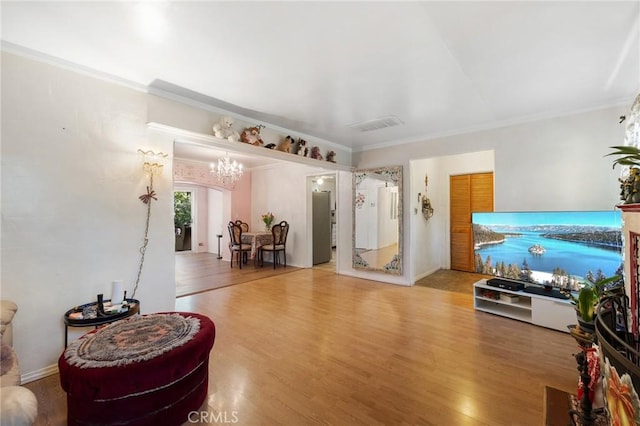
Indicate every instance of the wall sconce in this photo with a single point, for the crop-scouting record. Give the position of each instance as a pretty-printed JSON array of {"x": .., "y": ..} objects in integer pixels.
[
  {"x": 427, "y": 209},
  {"x": 152, "y": 162},
  {"x": 152, "y": 165}
]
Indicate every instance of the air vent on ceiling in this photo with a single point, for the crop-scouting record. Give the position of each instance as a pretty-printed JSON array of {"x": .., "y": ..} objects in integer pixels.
[{"x": 376, "y": 124}]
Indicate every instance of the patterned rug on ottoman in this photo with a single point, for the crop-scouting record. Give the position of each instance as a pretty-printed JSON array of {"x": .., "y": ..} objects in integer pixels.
[
  {"x": 143, "y": 370},
  {"x": 138, "y": 339}
]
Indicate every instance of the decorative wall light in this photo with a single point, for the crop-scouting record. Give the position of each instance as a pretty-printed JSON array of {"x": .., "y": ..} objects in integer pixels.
[
  {"x": 152, "y": 162},
  {"x": 152, "y": 165},
  {"x": 427, "y": 209},
  {"x": 228, "y": 172}
]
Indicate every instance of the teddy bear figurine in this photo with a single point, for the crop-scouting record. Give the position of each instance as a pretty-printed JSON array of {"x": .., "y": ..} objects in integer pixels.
[
  {"x": 331, "y": 156},
  {"x": 223, "y": 130},
  {"x": 302, "y": 150},
  {"x": 315, "y": 153},
  {"x": 286, "y": 145},
  {"x": 251, "y": 135}
]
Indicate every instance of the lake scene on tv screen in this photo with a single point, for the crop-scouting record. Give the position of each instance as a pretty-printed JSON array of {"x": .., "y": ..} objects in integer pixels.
[{"x": 548, "y": 248}]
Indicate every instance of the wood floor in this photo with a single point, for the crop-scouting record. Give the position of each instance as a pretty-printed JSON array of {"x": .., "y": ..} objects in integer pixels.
[
  {"x": 314, "y": 347},
  {"x": 198, "y": 272}
]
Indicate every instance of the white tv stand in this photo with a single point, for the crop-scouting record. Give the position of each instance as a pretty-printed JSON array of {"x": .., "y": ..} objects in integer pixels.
[{"x": 535, "y": 309}]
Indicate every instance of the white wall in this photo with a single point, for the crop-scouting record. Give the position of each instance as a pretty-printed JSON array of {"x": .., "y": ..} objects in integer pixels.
[
  {"x": 71, "y": 218},
  {"x": 555, "y": 164},
  {"x": 282, "y": 190},
  {"x": 425, "y": 238},
  {"x": 197, "y": 117},
  {"x": 214, "y": 220}
]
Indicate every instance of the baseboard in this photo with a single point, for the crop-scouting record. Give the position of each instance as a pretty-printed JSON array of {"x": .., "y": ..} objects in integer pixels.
[
  {"x": 424, "y": 274},
  {"x": 39, "y": 374}
]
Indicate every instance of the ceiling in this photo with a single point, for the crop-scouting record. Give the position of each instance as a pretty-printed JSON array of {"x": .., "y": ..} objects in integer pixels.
[{"x": 316, "y": 68}]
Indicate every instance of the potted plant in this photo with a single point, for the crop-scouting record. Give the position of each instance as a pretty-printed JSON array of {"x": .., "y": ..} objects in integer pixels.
[
  {"x": 628, "y": 156},
  {"x": 588, "y": 298}
]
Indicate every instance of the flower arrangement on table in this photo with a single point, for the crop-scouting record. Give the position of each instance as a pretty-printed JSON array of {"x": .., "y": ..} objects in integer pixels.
[{"x": 267, "y": 218}]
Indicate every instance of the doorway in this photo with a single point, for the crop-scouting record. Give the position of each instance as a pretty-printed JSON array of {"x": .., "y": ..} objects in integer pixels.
[
  {"x": 323, "y": 222},
  {"x": 182, "y": 219}
]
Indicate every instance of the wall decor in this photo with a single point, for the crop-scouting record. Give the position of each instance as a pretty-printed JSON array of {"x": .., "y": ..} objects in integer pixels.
[{"x": 427, "y": 209}]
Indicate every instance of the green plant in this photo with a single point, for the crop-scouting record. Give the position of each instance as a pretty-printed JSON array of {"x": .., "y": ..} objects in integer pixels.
[
  {"x": 267, "y": 218},
  {"x": 182, "y": 209},
  {"x": 590, "y": 294},
  {"x": 628, "y": 156}
]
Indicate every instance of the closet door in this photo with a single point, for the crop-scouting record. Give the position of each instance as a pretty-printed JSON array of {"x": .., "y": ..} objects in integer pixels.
[{"x": 468, "y": 193}]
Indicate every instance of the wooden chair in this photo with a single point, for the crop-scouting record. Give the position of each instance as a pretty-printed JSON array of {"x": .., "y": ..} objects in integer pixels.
[
  {"x": 243, "y": 225},
  {"x": 235, "y": 245},
  {"x": 245, "y": 228},
  {"x": 279, "y": 232}
]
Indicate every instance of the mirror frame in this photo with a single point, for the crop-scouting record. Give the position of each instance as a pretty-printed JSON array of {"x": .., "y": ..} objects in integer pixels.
[{"x": 394, "y": 174}]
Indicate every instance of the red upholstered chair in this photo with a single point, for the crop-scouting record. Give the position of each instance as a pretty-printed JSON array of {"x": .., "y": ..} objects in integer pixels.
[
  {"x": 279, "y": 232},
  {"x": 240, "y": 250}
]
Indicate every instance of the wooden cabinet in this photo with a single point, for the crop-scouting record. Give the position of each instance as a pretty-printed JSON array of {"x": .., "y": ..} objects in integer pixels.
[{"x": 468, "y": 193}]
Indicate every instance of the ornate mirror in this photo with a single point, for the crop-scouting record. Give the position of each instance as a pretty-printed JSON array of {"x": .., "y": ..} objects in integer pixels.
[{"x": 377, "y": 219}]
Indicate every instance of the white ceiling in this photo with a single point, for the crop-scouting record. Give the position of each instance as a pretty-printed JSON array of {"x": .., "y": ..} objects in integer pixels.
[{"x": 316, "y": 67}]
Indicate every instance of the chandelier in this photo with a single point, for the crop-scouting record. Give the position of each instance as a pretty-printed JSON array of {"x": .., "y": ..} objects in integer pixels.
[{"x": 228, "y": 172}]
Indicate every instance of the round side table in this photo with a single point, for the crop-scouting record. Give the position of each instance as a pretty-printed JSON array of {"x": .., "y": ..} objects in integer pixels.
[{"x": 99, "y": 319}]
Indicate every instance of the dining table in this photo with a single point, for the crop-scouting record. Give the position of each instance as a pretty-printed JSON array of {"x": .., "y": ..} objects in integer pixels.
[{"x": 256, "y": 239}]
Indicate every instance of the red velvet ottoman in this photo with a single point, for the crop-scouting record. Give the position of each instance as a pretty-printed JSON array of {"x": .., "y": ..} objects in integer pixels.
[{"x": 144, "y": 370}]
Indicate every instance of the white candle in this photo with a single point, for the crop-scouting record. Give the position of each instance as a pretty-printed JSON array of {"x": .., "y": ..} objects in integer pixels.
[{"x": 117, "y": 293}]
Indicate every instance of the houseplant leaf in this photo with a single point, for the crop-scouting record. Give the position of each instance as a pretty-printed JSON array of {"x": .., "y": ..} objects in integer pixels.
[{"x": 586, "y": 303}]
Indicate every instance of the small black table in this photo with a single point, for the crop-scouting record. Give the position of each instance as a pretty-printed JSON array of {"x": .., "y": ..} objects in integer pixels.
[{"x": 134, "y": 308}]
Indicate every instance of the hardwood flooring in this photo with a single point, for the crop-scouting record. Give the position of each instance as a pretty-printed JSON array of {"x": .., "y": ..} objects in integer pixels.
[
  {"x": 314, "y": 347},
  {"x": 449, "y": 280},
  {"x": 198, "y": 272},
  {"x": 329, "y": 266}
]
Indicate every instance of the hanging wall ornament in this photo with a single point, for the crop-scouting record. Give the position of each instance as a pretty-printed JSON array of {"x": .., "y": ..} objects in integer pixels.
[{"x": 427, "y": 209}]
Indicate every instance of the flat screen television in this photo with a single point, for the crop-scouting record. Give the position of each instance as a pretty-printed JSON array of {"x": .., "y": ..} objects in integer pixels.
[{"x": 552, "y": 249}]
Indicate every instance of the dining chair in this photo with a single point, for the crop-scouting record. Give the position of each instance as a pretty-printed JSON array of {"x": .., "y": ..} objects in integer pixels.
[
  {"x": 245, "y": 228},
  {"x": 279, "y": 233},
  {"x": 243, "y": 225},
  {"x": 236, "y": 246}
]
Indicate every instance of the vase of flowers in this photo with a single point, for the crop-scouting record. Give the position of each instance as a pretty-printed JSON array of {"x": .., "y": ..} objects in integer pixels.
[{"x": 267, "y": 218}]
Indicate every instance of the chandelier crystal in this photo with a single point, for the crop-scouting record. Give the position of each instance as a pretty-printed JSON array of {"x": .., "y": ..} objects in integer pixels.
[{"x": 228, "y": 172}]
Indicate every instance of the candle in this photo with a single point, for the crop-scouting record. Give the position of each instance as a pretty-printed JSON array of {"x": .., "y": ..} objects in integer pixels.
[{"x": 116, "y": 292}]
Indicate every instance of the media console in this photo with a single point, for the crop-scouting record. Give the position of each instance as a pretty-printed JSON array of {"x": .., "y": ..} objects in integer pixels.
[{"x": 545, "y": 311}]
